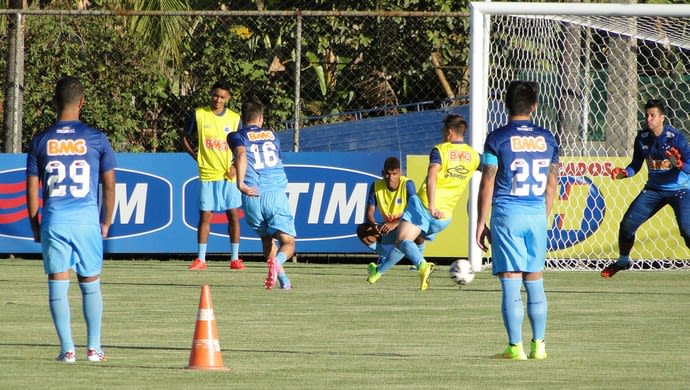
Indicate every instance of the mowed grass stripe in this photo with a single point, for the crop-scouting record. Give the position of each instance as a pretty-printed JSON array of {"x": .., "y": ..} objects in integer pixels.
[{"x": 334, "y": 330}]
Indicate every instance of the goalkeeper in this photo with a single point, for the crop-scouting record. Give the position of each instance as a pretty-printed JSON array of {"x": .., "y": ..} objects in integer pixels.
[{"x": 666, "y": 153}]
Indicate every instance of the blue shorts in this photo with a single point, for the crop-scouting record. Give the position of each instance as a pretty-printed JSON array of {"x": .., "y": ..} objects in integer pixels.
[
  {"x": 518, "y": 242},
  {"x": 269, "y": 213},
  {"x": 69, "y": 246},
  {"x": 219, "y": 195},
  {"x": 389, "y": 238},
  {"x": 418, "y": 215},
  {"x": 647, "y": 203}
]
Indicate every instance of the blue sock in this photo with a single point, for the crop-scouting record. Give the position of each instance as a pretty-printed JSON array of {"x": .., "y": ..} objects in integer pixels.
[
  {"x": 281, "y": 258},
  {"x": 235, "y": 248},
  {"x": 622, "y": 261},
  {"x": 378, "y": 248},
  {"x": 421, "y": 248},
  {"x": 93, "y": 312},
  {"x": 412, "y": 252},
  {"x": 392, "y": 258},
  {"x": 59, "y": 310},
  {"x": 512, "y": 309},
  {"x": 202, "y": 252},
  {"x": 536, "y": 307},
  {"x": 283, "y": 279}
]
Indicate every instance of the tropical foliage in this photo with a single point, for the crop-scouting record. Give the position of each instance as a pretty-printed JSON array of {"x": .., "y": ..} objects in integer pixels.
[{"x": 144, "y": 73}]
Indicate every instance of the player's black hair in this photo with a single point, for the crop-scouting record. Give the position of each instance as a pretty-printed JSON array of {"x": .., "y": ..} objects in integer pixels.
[
  {"x": 455, "y": 123},
  {"x": 521, "y": 96},
  {"x": 656, "y": 103},
  {"x": 251, "y": 111},
  {"x": 68, "y": 91},
  {"x": 221, "y": 84},
  {"x": 392, "y": 163}
]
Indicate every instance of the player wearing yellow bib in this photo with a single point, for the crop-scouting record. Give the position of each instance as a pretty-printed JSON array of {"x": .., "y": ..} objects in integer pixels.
[
  {"x": 218, "y": 191},
  {"x": 389, "y": 195},
  {"x": 451, "y": 165}
]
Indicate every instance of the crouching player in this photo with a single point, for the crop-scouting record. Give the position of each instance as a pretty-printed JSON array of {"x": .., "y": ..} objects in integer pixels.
[
  {"x": 451, "y": 165},
  {"x": 390, "y": 195}
]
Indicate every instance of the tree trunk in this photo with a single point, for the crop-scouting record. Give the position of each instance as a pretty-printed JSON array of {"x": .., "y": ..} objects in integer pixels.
[{"x": 12, "y": 113}]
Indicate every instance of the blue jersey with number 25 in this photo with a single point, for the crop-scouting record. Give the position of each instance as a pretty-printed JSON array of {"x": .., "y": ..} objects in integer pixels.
[{"x": 523, "y": 152}]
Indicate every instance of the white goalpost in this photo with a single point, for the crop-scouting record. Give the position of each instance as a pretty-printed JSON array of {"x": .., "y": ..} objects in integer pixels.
[{"x": 596, "y": 65}]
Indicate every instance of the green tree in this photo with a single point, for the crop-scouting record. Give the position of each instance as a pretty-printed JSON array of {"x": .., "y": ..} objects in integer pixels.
[{"x": 123, "y": 88}]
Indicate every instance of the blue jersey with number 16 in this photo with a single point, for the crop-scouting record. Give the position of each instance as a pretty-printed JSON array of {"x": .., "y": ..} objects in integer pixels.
[
  {"x": 523, "y": 152},
  {"x": 264, "y": 165}
]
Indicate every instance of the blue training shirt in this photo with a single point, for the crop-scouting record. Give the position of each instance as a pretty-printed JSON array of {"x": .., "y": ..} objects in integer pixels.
[
  {"x": 68, "y": 158},
  {"x": 264, "y": 164},
  {"x": 523, "y": 152},
  {"x": 652, "y": 150}
]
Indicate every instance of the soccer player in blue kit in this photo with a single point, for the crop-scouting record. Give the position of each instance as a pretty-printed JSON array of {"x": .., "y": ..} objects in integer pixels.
[
  {"x": 261, "y": 179},
  {"x": 518, "y": 184},
  {"x": 666, "y": 153},
  {"x": 69, "y": 159}
]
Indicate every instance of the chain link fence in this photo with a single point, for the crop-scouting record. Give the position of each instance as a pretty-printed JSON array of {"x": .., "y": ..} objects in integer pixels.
[{"x": 144, "y": 72}]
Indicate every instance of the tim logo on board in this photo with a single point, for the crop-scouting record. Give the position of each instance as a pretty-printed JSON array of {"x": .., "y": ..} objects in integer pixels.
[
  {"x": 143, "y": 204},
  {"x": 326, "y": 201}
]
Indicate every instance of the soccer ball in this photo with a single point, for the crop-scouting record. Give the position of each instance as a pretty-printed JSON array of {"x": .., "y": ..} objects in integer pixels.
[{"x": 461, "y": 272}]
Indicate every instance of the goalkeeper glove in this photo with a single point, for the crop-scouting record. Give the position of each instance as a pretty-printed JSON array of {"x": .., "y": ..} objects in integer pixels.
[
  {"x": 618, "y": 173},
  {"x": 674, "y": 158}
]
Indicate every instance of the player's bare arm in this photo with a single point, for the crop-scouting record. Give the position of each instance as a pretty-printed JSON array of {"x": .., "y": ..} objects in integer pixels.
[
  {"x": 240, "y": 154},
  {"x": 32, "y": 206},
  {"x": 371, "y": 209},
  {"x": 187, "y": 146},
  {"x": 231, "y": 173},
  {"x": 432, "y": 172},
  {"x": 486, "y": 190},
  {"x": 108, "y": 188},
  {"x": 551, "y": 184},
  {"x": 388, "y": 226}
]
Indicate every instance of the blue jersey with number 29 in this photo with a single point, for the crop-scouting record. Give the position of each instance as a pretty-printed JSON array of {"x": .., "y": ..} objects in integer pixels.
[
  {"x": 68, "y": 158},
  {"x": 523, "y": 152}
]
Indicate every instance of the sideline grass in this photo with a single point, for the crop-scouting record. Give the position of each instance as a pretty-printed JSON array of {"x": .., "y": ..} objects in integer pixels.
[{"x": 334, "y": 331}]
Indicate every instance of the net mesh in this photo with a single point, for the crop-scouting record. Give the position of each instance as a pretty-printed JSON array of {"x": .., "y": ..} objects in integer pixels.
[{"x": 595, "y": 75}]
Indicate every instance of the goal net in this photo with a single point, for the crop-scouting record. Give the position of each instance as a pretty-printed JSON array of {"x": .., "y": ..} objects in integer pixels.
[{"x": 596, "y": 65}]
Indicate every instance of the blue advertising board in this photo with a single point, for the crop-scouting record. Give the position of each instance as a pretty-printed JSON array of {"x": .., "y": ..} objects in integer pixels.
[{"x": 156, "y": 205}]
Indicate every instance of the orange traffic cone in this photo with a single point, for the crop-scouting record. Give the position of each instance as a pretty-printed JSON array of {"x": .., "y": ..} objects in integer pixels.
[{"x": 205, "y": 354}]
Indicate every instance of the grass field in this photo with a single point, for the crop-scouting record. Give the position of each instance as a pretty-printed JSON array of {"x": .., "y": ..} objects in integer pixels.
[{"x": 334, "y": 331}]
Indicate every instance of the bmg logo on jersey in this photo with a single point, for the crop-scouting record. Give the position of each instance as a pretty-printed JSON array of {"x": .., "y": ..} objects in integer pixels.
[
  {"x": 66, "y": 147},
  {"x": 143, "y": 204},
  {"x": 261, "y": 135},
  {"x": 216, "y": 144},
  {"x": 527, "y": 144},
  {"x": 458, "y": 155}
]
